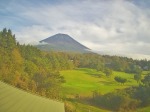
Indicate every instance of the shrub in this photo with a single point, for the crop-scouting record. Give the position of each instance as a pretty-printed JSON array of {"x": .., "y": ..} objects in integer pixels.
[{"x": 118, "y": 102}]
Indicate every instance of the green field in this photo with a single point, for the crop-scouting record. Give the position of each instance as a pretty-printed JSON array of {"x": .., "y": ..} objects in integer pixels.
[
  {"x": 80, "y": 107},
  {"x": 146, "y": 109},
  {"x": 83, "y": 81},
  {"x": 15, "y": 100}
]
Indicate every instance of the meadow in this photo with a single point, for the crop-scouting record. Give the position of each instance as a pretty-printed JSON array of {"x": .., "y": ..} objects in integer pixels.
[{"x": 84, "y": 81}]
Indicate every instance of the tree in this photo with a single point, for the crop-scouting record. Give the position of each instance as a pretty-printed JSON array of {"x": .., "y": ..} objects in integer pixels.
[
  {"x": 146, "y": 80},
  {"x": 108, "y": 72},
  {"x": 96, "y": 94},
  {"x": 120, "y": 79},
  {"x": 117, "y": 102},
  {"x": 137, "y": 77},
  {"x": 100, "y": 67},
  {"x": 26, "y": 67}
]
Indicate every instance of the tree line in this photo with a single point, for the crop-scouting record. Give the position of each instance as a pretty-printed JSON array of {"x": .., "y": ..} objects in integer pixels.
[{"x": 28, "y": 68}]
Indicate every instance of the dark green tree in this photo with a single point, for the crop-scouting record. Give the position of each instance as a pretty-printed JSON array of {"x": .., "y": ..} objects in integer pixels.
[
  {"x": 146, "y": 80},
  {"x": 120, "y": 79},
  {"x": 108, "y": 72},
  {"x": 137, "y": 77}
]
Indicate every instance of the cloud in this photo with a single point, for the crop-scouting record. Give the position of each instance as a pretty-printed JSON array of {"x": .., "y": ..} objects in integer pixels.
[
  {"x": 120, "y": 26},
  {"x": 32, "y": 34}
]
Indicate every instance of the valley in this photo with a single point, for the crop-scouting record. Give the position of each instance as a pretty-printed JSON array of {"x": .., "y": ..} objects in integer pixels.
[{"x": 82, "y": 81}]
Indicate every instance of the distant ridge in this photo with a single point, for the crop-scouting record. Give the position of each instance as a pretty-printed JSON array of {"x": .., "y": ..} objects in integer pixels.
[{"x": 62, "y": 42}]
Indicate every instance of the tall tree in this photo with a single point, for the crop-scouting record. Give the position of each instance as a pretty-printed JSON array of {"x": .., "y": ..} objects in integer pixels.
[
  {"x": 108, "y": 72},
  {"x": 146, "y": 80},
  {"x": 137, "y": 77}
]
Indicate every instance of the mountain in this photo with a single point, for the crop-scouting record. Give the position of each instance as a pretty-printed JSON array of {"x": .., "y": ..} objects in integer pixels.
[{"x": 62, "y": 42}]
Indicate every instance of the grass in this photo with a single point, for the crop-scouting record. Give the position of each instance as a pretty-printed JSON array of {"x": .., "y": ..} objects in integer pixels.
[
  {"x": 87, "y": 108},
  {"x": 83, "y": 81},
  {"x": 145, "y": 109},
  {"x": 129, "y": 77},
  {"x": 15, "y": 100}
]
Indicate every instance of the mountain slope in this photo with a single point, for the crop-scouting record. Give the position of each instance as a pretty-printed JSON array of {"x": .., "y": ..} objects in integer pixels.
[
  {"x": 15, "y": 100},
  {"x": 62, "y": 42}
]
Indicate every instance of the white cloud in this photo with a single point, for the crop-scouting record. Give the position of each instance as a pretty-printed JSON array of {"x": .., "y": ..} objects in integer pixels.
[
  {"x": 119, "y": 26},
  {"x": 32, "y": 34}
]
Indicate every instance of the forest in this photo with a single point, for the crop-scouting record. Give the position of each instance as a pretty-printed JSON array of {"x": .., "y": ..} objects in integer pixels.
[{"x": 28, "y": 68}]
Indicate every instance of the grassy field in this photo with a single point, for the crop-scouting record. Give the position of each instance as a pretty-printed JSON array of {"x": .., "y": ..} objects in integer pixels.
[
  {"x": 80, "y": 107},
  {"x": 15, "y": 100},
  {"x": 83, "y": 81},
  {"x": 146, "y": 109}
]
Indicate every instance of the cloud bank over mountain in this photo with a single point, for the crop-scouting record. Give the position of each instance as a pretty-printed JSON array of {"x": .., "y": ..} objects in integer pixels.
[{"x": 118, "y": 26}]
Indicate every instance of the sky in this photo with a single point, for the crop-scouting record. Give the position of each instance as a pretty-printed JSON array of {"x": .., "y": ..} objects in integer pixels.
[{"x": 115, "y": 27}]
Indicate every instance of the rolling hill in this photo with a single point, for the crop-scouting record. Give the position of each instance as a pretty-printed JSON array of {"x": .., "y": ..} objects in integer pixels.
[
  {"x": 62, "y": 42},
  {"x": 15, "y": 100}
]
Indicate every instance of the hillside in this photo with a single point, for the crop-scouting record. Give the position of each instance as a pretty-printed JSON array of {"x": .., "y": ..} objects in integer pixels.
[
  {"x": 62, "y": 42},
  {"x": 15, "y": 100}
]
